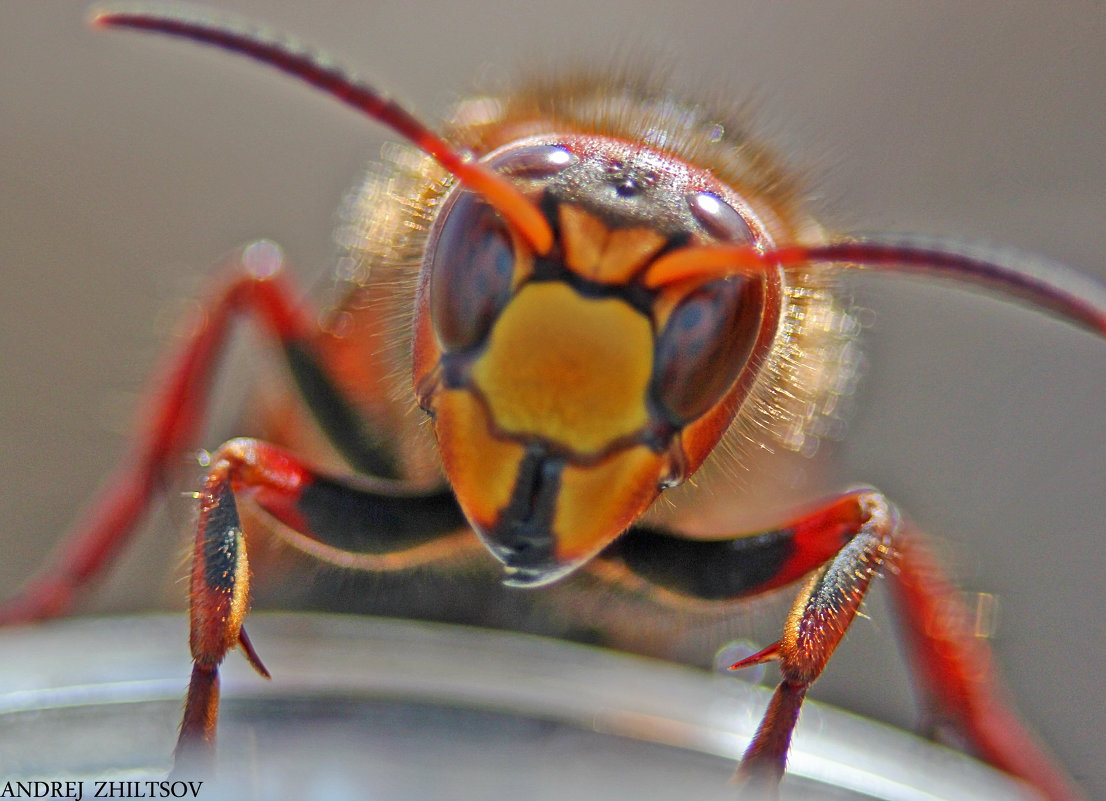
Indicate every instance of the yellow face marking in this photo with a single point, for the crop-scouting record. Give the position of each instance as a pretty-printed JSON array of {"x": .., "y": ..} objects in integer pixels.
[
  {"x": 583, "y": 238},
  {"x": 595, "y": 252},
  {"x": 569, "y": 369},
  {"x": 599, "y": 501},
  {"x": 482, "y": 467}
]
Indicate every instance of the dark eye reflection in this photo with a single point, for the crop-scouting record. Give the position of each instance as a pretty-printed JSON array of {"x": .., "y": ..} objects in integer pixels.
[
  {"x": 704, "y": 345},
  {"x": 471, "y": 271}
]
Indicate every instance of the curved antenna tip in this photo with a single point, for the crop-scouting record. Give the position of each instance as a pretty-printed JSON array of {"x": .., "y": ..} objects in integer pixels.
[
  {"x": 214, "y": 28},
  {"x": 107, "y": 15}
]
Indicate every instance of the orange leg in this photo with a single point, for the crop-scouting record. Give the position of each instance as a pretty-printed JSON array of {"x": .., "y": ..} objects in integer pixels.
[
  {"x": 846, "y": 543},
  {"x": 377, "y": 522},
  {"x": 818, "y": 620},
  {"x": 374, "y": 523},
  {"x": 956, "y": 674},
  {"x": 179, "y": 403}
]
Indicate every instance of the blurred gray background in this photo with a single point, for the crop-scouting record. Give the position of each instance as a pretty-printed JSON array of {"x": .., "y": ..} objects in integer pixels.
[{"x": 129, "y": 165}]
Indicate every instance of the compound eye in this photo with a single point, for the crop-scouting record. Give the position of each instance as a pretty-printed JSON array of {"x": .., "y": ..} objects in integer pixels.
[
  {"x": 705, "y": 344},
  {"x": 473, "y": 259},
  {"x": 470, "y": 272}
]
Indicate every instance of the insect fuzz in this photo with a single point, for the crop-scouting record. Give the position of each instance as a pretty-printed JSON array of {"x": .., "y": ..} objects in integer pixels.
[{"x": 568, "y": 388}]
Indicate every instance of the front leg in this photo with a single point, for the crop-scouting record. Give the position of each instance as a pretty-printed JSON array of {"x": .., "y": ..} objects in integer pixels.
[
  {"x": 370, "y": 523},
  {"x": 822, "y": 613},
  {"x": 842, "y": 545},
  {"x": 218, "y": 599},
  {"x": 845, "y": 542}
]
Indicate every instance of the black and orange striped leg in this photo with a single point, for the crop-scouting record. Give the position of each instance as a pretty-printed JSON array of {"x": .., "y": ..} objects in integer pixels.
[
  {"x": 179, "y": 404},
  {"x": 370, "y": 523},
  {"x": 219, "y": 595},
  {"x": 818, "y": 620},
  {"x": 845, "y": 542}
]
